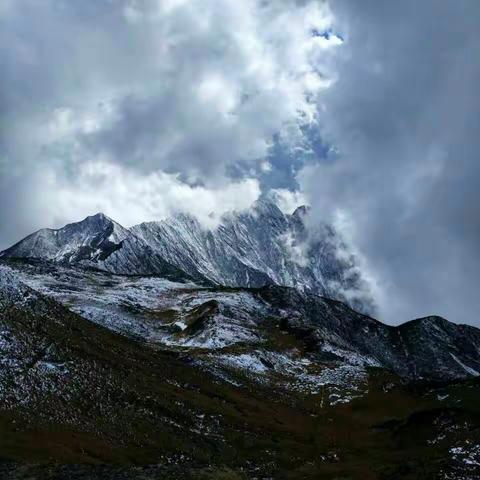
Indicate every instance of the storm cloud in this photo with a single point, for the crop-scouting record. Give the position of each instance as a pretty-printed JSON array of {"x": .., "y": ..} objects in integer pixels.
[{"x": 403, "y": 176}]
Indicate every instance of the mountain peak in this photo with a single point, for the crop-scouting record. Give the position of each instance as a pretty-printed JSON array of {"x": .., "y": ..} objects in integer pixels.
[
  {"x": 266, "y": 206},
  {"x": 98, "y": 218},
  {"x": 432, "y": 321},
  {"x": 301, "y": 211},
  {"x": 88, "y": 240}
]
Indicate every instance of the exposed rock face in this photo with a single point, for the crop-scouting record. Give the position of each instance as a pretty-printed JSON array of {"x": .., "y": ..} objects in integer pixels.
[
  {"x": 262, "y": 246},
  {"x": 251, "y": 249}
]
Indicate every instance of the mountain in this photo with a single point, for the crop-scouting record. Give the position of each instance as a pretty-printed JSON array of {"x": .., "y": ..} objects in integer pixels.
[
  {"x": 98, "y": 242},
  {"x": 94, "y": 238},
  {"x": 108, "y": 377},
  {"x": 258, "y": 247},
  {"x": 430, "y": 348},
  {"x": 286, "y": 326},
  {"x": 169, "y": 350}
]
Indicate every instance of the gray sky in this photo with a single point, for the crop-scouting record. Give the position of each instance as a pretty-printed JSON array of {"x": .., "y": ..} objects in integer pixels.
[
  {"x": 404, "y": 117},
  {"x": 367, "y": 110}
]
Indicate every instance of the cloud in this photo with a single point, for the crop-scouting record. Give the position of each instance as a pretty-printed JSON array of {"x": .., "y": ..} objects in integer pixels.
[
  {"x": 221, "y": 69},
  {"x": 196, "y": 90},
  {"x": 5, "y": 7},
  {"x": 131, "y": 197},
  {"x": 403, "y": 121},
  {"x": 287, "y": 200}
]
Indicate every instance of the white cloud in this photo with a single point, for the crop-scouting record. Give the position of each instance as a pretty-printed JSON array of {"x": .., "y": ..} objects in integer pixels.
[
  {"x": 346, "y": 249},
  {"x": 130, "y": 197},
  {"x": 288, "y": 200},
  {"x": 266, "y": 166},
  {"x": 298, "y": 252},
  {"x": 210, "y": 84}
]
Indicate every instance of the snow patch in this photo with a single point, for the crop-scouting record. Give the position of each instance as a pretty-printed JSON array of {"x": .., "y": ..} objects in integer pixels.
[{"x": 468, "y": 369}]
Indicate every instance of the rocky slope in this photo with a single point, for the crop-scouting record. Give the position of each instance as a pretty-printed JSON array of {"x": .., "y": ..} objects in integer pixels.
[
  {"x": 271, "y": 382},
  {"x": 258, "y": 247},
  {"x": 276, "y": 326}
]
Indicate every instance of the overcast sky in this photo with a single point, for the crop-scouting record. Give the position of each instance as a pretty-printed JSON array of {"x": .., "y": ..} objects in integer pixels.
[{"x": 367, "y": 110}]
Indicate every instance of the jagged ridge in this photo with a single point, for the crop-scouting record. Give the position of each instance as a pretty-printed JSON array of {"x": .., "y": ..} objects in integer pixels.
[{"x": 253, "y": 248}]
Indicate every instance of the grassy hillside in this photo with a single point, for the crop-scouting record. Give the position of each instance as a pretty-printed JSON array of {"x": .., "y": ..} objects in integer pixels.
[{"x": 85, "y": 395}]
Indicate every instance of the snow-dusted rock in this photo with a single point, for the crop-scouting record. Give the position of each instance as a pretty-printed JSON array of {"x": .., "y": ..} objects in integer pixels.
[
  {"x": 279, "y": 326},
  {"x": 258, "y": 247},
  {"x": 94, "y": 238}
]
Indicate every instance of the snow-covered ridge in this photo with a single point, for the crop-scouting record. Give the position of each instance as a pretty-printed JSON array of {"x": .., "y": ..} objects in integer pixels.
[
  {"x": 93, "y": 238},
  {"x": 253, "y": 248}
]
